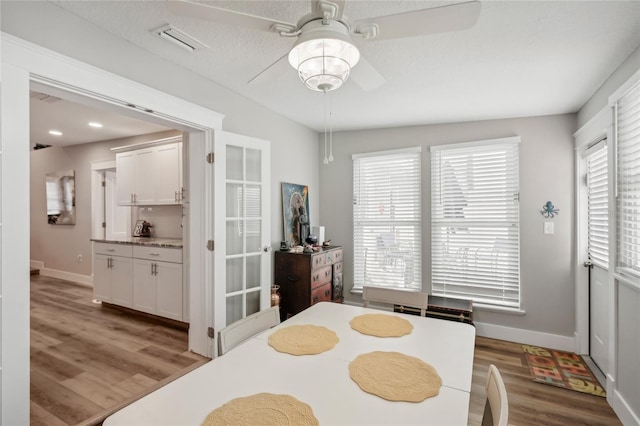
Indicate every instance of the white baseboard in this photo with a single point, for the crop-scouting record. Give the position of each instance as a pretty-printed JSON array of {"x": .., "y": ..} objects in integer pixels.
[
  {"x": 624, "y": 411},
  {"x": 528, "y": 337},
  {"x": 36, "y": 264},
  {"x": 85, "y": 280}
]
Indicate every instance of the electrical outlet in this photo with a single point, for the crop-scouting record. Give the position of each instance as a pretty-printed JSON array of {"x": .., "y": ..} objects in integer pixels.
[{"x": 79, "y": 258}]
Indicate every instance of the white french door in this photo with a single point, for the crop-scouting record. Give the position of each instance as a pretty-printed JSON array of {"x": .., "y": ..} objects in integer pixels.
[
  {"x": 242, "y": 267},
  {"x": 596, "y": 162}
]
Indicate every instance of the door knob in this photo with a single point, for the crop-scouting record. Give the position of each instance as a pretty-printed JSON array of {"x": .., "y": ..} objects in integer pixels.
[{"x": 266, "y": 249}]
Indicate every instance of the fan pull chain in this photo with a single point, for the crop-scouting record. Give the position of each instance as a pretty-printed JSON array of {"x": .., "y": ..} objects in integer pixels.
[
  {"x": 330, "y": 130},
  {"x": 326, "y": 160}
]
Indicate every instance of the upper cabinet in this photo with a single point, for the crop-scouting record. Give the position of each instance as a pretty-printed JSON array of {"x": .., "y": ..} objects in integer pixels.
[{"x": 150, "y": 175}]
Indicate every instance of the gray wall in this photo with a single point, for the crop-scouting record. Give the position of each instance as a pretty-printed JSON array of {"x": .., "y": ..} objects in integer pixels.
[
  {"x": 294, "y": 155},
  {"x": 546, "y": 173},
  {"x": 56, "y": 245}
]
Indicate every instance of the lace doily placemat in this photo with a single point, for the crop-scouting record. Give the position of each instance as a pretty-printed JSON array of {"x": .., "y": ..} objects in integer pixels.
[
  {"x": 381, "y": 325},
  {"x": 395, "y": 376},
  {"x": 265, "y": 409},
  {"x": 303, "y": 339}
]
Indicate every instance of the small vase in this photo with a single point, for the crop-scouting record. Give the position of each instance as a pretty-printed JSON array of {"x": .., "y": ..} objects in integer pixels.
[{"x": 275, "y": 296}]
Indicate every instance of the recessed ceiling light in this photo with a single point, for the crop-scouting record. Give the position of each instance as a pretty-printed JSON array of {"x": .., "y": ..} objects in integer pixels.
[
  {"x": 95, "y": 124},
  {"x": 55, "y": 132}
]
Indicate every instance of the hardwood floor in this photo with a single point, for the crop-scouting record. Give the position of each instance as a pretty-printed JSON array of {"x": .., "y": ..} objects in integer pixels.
[
  {"x": 532, "y": 403},
  {"x": 88, "y": 360}
]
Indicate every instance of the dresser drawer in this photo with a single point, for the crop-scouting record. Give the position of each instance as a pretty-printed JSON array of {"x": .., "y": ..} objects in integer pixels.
[
  {"x": 158, "y": 253},
  {"x": 320, "y": 276},
  {"x": 318, "y": 261},
  {"x": 336, "y": 255},
  {"x": 124, "y": 250},
  {"x": 321, "y": 294}
]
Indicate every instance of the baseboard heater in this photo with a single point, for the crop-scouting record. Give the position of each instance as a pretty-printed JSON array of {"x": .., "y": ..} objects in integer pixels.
[{"x": 446, "y": 308}]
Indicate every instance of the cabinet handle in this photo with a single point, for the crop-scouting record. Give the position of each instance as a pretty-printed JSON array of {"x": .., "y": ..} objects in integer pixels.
[
  {"x": 175, "y": 196},
  {"x": 293, "y": 278},
  {"x": 111, "y": 250},
  {"x": 109, "y": 262},
  {"x": 154, "y": 254},
  {"x": 326, "y": 292},
  {"x": 181, "y": 194}
]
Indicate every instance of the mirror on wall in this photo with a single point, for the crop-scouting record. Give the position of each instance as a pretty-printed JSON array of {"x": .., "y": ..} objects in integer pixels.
[{"x": 61, "y": 197}]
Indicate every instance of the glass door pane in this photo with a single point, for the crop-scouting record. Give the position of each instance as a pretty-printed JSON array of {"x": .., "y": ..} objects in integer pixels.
[{"x": 244, "y": 247}]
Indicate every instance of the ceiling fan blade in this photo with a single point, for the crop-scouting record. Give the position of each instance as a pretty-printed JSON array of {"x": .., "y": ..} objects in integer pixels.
[
  {"x": 271, "y": 72},
  {"x": 442, "y": 19},
  {"x": 211, "y": 13},
  {"x": 366, "y": 76}
]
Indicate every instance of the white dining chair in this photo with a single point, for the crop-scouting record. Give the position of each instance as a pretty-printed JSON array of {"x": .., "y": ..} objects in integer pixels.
[
  {"x": 496, "y": 409},
  {"x": 241, "y": 330},
  {"x": 406, "y": 298}
]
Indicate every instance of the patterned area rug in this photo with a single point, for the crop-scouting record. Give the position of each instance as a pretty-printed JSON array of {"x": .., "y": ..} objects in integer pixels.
[{"x": 562, "y": 369}]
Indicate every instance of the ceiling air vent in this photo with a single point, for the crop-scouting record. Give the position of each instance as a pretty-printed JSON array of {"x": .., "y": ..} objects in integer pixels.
[{"x": 179, "y": 38}]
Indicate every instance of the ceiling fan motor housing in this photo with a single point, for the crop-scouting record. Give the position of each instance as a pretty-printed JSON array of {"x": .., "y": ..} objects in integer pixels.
[{"x": 324, "y": 55}]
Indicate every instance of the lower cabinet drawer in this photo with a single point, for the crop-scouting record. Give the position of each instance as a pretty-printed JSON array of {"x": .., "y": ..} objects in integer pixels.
[
  {"x": 124, "y": 250},
  {"x": 157, "y": 253},
  {"x": 321, "y": 294}
]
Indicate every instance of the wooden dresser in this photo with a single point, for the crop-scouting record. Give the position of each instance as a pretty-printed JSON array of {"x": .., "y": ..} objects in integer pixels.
[{"x": 308, "y": 278}]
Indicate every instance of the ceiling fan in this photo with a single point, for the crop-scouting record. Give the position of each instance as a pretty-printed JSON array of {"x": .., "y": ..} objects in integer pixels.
[{"x": 324, "y": 52}]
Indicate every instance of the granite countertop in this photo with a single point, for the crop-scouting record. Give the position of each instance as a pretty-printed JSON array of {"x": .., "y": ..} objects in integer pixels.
[{"x": 143, "y": 241}]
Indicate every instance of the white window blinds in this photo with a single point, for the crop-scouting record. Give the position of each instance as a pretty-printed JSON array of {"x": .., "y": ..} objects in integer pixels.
[
  {"x": 598, "y": 205},
  {"x": 387, "y": 219},
  {"x": 475, "y": 227},
  {"x": 627, "y": 115}
]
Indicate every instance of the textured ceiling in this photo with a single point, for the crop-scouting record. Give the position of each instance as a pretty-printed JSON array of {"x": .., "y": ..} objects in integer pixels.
[{"x": 521, "y": 58}]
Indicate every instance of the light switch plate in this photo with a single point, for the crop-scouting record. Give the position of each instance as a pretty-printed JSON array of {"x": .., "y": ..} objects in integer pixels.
[{"x": 548, "y": 228}]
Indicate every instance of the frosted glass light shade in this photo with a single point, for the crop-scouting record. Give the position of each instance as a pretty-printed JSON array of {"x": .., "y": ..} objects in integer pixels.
[{"x": 324, "y": 58}]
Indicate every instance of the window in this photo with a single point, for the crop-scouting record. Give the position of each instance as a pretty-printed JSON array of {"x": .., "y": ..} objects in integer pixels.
[
  {"x": 475, "y": 229},
  {"x": 387, "y": 219},
  {"x": 627, "y": 116},
  {"x": 598, "y": 204}
]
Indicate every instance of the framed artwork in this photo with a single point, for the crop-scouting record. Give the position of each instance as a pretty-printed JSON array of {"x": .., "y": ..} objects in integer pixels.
[{"x": 295, "y": 212}]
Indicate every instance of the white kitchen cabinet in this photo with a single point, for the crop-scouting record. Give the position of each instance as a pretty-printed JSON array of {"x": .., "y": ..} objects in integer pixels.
[
  {"x": 150, "y": 175},
  {"x": 126, "y": 177},
  {"x": 144, "y": 289},
  {"x": 157, "y": 276},
  {"x": 169, "y": 177},
  {"x": 112, "y": 279}
]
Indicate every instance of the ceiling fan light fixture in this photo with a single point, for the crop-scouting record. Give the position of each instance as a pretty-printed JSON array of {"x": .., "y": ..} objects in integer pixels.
[{"x": 324, "y": 55}]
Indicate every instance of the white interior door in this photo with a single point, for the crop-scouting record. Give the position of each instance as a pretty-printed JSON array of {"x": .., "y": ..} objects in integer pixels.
[
  {"x": 242, "y": 227},
  {"x": 598, "y": 252}
]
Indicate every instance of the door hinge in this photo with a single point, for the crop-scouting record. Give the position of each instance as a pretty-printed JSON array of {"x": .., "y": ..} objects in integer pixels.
[
  {"x": 210, "y": 158},
  {"x": 211, "y": 332},
  {"x": 104, "y": 183},
  {"x": 104, "y": 224},
  {"x": 210, "y": 245}
]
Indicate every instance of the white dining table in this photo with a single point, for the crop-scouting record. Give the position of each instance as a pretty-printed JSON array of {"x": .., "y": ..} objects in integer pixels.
[{"x": 322, "y": 380}]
